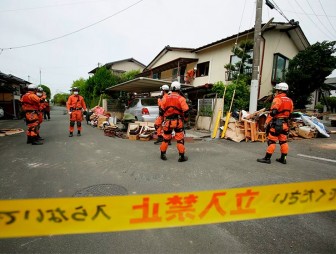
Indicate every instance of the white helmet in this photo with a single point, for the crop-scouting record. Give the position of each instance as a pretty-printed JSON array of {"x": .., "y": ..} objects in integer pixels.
[
  {"x": 165, "y": 88},
  {"x": 32, "y": 87},
  {"x": 281, "y": 86},
  {"x": 40, "y": 89},
  {"x": 175, "y": 86}
]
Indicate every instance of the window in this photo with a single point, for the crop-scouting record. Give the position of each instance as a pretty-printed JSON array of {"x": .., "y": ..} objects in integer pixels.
[
  {"x": 202, "y": 69},
  {"x": 149, "y": 102},
  {"x": 280, "y": 64},
  {"x": 234, "y": 61},
  {"x": 157, "y": 75}
]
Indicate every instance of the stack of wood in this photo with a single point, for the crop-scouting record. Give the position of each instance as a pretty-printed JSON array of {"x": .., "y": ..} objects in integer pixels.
[{"x": 113, "y": 131}]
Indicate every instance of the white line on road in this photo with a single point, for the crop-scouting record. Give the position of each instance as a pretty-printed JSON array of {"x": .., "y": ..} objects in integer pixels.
[{"x": 317, "y": 158}]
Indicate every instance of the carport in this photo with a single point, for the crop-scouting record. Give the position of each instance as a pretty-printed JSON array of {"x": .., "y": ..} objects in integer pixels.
[{"x": 142, "y": 85}]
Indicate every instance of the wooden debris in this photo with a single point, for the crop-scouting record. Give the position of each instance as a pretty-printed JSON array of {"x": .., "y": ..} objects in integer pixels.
[
  {"x": 255, "y": 114},
  {"x": 8, "y": 132}
]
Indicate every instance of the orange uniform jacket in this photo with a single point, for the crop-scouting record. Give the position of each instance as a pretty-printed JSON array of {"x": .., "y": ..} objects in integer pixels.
[
  {"x": 283, "y": 104},
  {"x": 30, "y": 102},
  {"x": 76, "y": 102},
  {"x": 174, "y": 104}
]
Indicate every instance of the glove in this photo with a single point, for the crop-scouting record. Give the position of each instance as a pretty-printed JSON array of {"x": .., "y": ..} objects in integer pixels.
[{"x": 69, "y": 113}]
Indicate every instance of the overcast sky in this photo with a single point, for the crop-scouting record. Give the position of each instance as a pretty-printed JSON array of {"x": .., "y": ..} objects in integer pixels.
[{"x": 135, "y": 28}]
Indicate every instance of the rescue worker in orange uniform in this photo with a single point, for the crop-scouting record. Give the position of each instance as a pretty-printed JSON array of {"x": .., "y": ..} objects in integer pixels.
[
  {"x": 159, "y": 119},
  {"x": 42, "y": 95},
  {"x": 175, "y": 111},
  {"x": 46, "y": 111},
  {"x": 75, "y": 105},
  {"x": 31, "y": 105},
  {"x": 190, "y": 75},
  {"x": 277, "y": 124}
]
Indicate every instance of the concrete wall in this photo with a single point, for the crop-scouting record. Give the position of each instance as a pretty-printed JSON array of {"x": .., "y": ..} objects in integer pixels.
[{"x": 203, "y": 122}]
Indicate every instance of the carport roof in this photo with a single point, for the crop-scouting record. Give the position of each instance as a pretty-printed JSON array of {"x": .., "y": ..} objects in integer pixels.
[{"x": 141, "y": 85}]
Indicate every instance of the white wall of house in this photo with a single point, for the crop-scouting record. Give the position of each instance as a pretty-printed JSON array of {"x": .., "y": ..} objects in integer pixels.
[
  {"x": 172, "y": 55},
  {"x": 127, "y": 66},
  {"x": 276, "y": 42},
  {"x": 218, "y": 56}
]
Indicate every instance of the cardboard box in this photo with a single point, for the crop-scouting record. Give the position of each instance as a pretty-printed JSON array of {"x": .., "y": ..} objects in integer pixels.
[
  {"x": 101, "y": 119},
  {"x": 133, "y": 137},
  {"x": 146, "y": 139},
  {"x": 131, "y": 126}
]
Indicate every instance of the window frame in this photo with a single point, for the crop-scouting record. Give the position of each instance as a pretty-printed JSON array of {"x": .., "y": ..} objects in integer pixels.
[
  {"x": 203, "y": 69},
  {"x": 275, "y": 68}
]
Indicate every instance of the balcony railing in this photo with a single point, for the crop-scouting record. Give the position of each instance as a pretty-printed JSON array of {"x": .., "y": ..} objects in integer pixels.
[{"x": 229, "y": 75}]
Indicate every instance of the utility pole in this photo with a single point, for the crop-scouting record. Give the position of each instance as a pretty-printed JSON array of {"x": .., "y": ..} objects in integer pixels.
[{"x": 256, "y": 58}]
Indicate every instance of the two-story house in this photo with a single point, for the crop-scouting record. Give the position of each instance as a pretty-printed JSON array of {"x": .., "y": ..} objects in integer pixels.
[
  {"x": 280, "y": 42},
  {"x": 121, "y": 66}
]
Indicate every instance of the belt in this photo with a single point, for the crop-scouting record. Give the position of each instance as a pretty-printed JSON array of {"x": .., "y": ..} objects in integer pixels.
[
  {"x": 75, "y": 108},
  {"x": 173, "y": 117}
]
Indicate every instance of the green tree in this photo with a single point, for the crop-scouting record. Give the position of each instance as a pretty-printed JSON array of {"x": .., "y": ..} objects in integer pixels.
[
  {"x": 241, "y": 63},
  {"x": 80, "y": 83},
  {"x": 242, "y": 94},
  {"x": 61, "y": 99},
  {"x": 47, "y": 90},
  {"x": 308, "y": 70},
  {"x": 129, "y": 75}
]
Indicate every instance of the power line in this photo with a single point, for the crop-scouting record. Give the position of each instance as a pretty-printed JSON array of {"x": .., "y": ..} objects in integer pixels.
[
  {"x": 310, "y": 14},
  {"x": 310, "y": 18},
  {"x": 48, "y": 6},
  {"x": 327, "y": 16},
  {"x": 318, "y": 18},
  {"x": 76, "y": 31},
  {"x": 277, "y": 8}
]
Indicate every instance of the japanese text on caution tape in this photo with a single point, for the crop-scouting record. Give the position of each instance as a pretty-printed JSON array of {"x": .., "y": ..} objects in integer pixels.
[{"x": 53, "y": 216}]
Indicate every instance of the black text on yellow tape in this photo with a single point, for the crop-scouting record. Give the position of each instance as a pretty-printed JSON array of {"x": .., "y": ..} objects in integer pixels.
[{"x": 41, "y": 217}]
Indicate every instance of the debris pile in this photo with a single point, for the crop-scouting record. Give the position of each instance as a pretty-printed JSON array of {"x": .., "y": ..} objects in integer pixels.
[{"x": 250, "y": 127}]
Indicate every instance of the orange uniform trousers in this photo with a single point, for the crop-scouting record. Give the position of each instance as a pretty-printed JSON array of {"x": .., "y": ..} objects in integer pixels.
[
  {"x": 32, "y": 121},
  {"x": 168, "y": 127},
  {"x": 158, "y": 125},
  {"x": 273, "y": 137},
  {"x": 76, "y": 116}
]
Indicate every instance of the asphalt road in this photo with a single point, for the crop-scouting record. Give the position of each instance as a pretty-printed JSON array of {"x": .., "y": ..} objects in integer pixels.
[{"x": 66, "y": 167}]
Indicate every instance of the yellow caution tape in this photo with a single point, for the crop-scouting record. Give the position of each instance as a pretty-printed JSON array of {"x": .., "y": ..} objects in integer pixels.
[{"x": 54, "y": 216}]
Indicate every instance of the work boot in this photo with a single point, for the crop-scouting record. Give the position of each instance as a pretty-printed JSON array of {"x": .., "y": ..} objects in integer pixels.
[
  {"x": 163, "y": 156},
  {"x": 169, "y": 142},
  {"x": 29, "y": 140},
  {"x": 159, "y": 140},
  {"x": 35, "y": 141},
  {"x": 266, "y": 159},
  {"x": 39, "y": 138},
  {"x": 182, "y": 158},
  {"x": 282, "y": 159},
  {"x": 71, "y": 134},
  {"x": 78, "y": 133}
]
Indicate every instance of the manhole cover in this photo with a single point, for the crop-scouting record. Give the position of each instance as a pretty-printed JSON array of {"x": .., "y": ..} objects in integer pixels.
[{"x": 102, "y": 190}]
